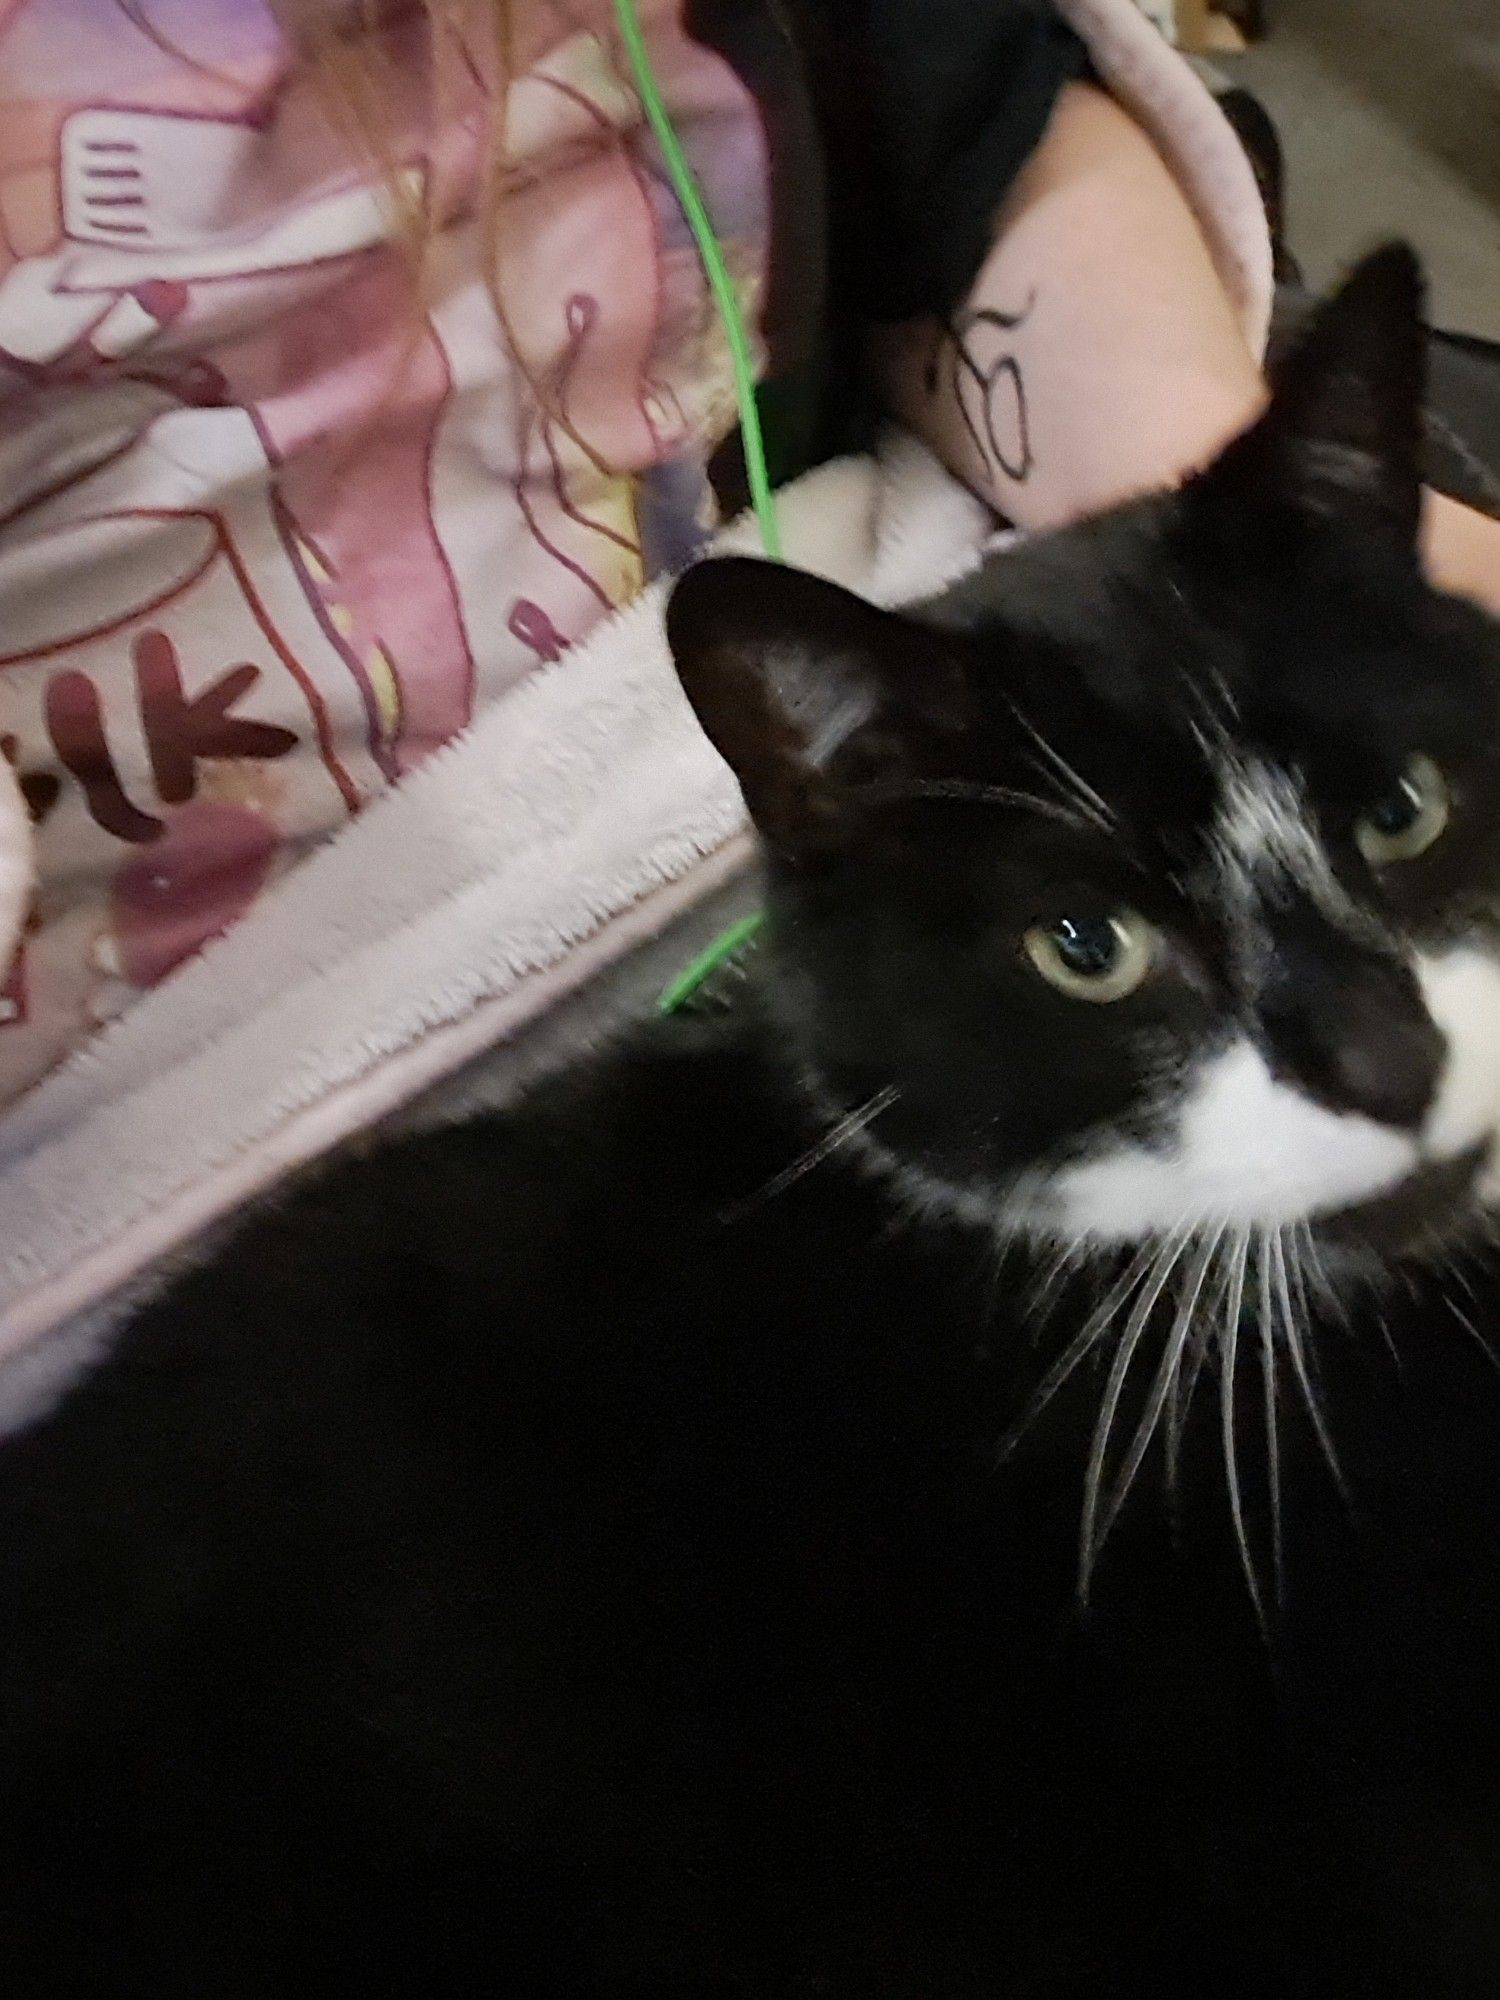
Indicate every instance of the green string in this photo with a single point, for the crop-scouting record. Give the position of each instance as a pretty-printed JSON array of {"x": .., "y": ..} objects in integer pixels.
[
  {"x": 716, "y": 271},
  {"x": 691, "y": 982}
]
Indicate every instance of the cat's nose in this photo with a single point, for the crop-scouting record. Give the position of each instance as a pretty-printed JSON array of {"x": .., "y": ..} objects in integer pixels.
[
  {"x": 1389, "y": 1074},
  {"x": 1351, "y": 1030}
]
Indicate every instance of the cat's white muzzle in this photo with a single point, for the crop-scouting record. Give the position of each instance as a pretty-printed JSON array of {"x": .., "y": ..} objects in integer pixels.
[{"x": 1251, "y": 1150}]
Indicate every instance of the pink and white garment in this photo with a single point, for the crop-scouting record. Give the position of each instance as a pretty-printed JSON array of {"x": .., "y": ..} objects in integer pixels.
[
  {"x": 270, "y": 531},
  {"x": 269, "y": 543}
]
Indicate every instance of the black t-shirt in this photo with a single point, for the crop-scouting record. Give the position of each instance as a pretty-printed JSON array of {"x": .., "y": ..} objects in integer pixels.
[
  {"x": 896, "y": 128},
  {"x": 928, "y": 109}
]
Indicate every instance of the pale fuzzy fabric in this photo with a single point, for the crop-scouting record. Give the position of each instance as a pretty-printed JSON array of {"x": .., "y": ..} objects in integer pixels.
[
  {"x": 15, "y": 864},
  {"x": 574, "y": 823}
]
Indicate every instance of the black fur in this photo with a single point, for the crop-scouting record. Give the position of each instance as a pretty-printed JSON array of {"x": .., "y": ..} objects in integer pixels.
[{"x": 564, "y": 1556}]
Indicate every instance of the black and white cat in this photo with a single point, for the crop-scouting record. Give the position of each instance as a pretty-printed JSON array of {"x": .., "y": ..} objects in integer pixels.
[{"x": 631, "y": 1544}]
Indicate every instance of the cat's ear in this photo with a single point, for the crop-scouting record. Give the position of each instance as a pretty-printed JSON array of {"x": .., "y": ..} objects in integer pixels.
[
  {"x": 806, "y": 691},
  {"x": 1342, "y": 437}
]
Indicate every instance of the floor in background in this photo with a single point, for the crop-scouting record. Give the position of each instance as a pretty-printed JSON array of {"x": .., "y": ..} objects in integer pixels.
[{"x": 1390, "y": 112}]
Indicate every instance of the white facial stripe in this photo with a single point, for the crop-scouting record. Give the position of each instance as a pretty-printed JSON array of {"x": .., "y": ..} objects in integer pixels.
[
  {"x": 1265, "y": 829},
  {"x": 1247, "y": 1150},
  {"x": 1462, "y": 991},
  {"x": 1263, "y": 821}
]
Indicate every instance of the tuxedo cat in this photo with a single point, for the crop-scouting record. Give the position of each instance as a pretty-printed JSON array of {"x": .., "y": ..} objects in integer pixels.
[{"x": 967, "y": 1470}]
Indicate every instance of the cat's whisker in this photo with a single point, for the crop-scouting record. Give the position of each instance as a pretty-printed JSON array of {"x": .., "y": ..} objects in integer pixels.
[
  {"x": 1228, "y": 1355},
  {"x": 1167, "y": 1373},
  {"x": 1185, "y": 1384},
  {"x": 837, "y": 1136},
  {"x": 1060, "y": 1268},
  {"x": 1179, "y": 1399},
  {"x": 997, "y": 1248},
  {"x": 1325, "y": 1297},
  {"x": 1296, "y": 1348},
  {"x": 1383, "y": 1326},
  {"x": 1455, "y": 1270},
  {"x": 966, "y": 792},
  {"x": 1479, "y": 1254},
  {"x": 1473, "y": 1332},
  {"x": 1067, "y": 1364},
  {"x": 1078, "y": 808},
  {"x": 1311, "y": 1264},
  {"x": 1090, "y": 1537},
  {"x": 1073, "y": 780},
  {"x": 1268, "y": 1373}
]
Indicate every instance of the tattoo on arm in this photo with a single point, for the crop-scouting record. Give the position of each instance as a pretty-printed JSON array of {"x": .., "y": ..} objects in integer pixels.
[{"x": 974, "y": 357}]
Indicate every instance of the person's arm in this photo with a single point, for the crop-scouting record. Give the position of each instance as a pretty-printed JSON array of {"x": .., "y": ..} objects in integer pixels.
[
  {"x": 1097, "y": 354},
  {"x": 1462, "y": 550}
]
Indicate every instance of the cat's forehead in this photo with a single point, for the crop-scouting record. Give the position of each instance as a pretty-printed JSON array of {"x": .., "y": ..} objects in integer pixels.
[
  {"x": 1225, "y": 818},
  {"x": 1265, "y": 846},
  {"x": 1175, "y": 694}
]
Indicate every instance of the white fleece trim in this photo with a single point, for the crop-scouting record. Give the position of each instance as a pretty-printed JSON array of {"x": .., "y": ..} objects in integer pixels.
[
  {"x": 576, "y": 818},
  {"x": 16, "y": 863}
]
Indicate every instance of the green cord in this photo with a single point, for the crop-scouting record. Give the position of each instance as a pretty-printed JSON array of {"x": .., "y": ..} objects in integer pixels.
[
  {"x": 696, "y": 977},
  {"x": 715, "y": 269},
  {"x": 688, "y": 984}
]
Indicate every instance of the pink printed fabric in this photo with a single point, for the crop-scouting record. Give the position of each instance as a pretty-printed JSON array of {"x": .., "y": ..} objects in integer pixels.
[{"x": 272, "y": 526}]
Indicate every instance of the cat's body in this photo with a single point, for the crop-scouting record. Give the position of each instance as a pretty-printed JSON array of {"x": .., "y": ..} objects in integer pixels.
[
  {"x": 499, "y": 1605},
  {"x": 635, "y": 1608},
  {"x": 573, "y": 1553}
]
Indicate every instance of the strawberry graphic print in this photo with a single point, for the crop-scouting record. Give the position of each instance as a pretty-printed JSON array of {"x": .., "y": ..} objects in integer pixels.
[{"x": 275, "y": 522}]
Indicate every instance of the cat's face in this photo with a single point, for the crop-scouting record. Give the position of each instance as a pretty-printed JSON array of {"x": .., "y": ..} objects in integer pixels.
[{"x": 1147, "y": 885}]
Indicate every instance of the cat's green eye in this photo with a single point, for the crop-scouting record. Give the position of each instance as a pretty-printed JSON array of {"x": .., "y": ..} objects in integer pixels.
[
  {"x": 1408, "y": 819},
  {"x": 1098, "y": 958}
]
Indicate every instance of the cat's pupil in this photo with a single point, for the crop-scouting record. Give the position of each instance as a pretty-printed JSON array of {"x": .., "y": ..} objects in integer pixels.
[
  {"x": 1397, "y": 812},
  {"x": 1088, "y": 946}
]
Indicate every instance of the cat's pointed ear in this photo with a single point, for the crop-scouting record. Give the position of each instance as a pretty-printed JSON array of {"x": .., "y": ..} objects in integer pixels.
[
  {"x": 1342, "y": 437},
  {"x": 805, "y": 690}
]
